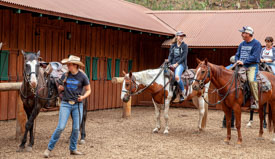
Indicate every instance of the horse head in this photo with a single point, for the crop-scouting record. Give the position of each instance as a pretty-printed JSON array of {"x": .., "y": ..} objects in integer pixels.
[
  {"x": 31, "y": 68},
  {"x": 202, "y": 76},
  {"x": 129, "y": 86}
]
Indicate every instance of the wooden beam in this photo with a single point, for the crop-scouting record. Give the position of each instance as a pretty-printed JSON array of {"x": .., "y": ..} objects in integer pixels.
[
  {"x": 10, "y": 86},
  {"x": 116, "y": 80}
]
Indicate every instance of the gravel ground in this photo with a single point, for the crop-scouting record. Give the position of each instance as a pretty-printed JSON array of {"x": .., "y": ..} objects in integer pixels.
[{"x": 110, "y": 136}]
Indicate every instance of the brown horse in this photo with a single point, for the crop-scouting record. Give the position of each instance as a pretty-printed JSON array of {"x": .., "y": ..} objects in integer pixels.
[{"x": 224, "y": 81}]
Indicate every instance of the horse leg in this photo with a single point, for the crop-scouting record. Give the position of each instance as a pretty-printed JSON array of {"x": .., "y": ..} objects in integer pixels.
[
  {"x": 166, "y": 117},
  {"x": 272, "y": 120},
  {"x": 201, "y": 111},
  {"x": 30, "y": 124},
  {"x": 261, "y": 131},
  {"x": 24, "y": 139},
  {"x": 157, "y": 115},
  {"x": 237, "y": 111},
  {"x": 83, "y": 123},
  {"x": 249, "y": 124},
  {"x": 228, "y": 113}
]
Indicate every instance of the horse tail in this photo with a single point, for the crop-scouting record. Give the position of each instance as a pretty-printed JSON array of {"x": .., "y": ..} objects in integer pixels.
[
  {"x": 204, "y": 119},
  {"x": 270, "y": 120}
]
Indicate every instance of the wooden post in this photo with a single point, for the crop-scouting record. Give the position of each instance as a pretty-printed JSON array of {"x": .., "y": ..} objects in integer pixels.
[
  {"x": 127, "y": 109},
  {"x": 21, "y": 119},
  {"x": 126, "y": 106}
]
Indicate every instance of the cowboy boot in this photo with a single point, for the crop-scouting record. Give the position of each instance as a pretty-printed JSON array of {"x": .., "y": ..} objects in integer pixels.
[
  {"x": 75, "y": 152},
  {"x": 47, "y": 153},
  {"x": 254, "y": 90}
]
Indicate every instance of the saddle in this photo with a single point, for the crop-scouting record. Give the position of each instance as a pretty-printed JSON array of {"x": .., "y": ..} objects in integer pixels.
[
  {"x": 187, "y": 77},
  {"x": 263, "y": 82}
]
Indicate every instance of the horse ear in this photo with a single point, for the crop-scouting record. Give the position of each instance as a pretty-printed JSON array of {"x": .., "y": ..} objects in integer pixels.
[
  {"x": 205, "y": 61},
  {"x": 38, "y": 53},
  {"x": 198, "y": 60},
  {"x": 23, "y": 52},
  {"x": 130, "y": 74},
  {"x": 124, "y": 73}
]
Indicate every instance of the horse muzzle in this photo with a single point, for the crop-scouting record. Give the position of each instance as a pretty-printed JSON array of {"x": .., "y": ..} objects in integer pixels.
[{"x": 126, "y": 99}]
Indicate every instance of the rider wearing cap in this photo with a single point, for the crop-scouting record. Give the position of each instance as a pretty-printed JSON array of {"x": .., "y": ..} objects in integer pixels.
[
  {"x": 248, "y": 55},
  {"x": 178, "y": 58}
]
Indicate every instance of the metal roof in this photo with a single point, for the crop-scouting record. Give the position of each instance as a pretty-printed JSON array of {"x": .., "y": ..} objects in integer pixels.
[
  {"x": 117, "y": 13},
  {"x": 218, "y": 28}
]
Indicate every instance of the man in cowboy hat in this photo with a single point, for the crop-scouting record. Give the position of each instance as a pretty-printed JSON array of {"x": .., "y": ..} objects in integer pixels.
[
  {"x": 73, "y": 83},
  {"x": 248, "y": 55}
]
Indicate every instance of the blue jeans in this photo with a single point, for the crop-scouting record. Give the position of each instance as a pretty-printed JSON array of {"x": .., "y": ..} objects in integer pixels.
[
  {"x": 178, "y": 72},
  {"x": 65, "y": 111},
  {"x": 272, "y": 65}
]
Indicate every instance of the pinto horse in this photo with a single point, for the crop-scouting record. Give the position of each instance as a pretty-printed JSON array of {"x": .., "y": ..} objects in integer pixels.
[
  {"x": 152, "y": 81},
  {"x": 224, "y": 81}
]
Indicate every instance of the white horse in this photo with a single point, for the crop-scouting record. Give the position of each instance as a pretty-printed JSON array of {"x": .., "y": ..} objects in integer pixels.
[{"x": 152, "y": 81}]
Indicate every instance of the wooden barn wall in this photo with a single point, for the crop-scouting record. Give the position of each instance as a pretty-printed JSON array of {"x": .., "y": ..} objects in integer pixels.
[{"x": 32, "y": 33}]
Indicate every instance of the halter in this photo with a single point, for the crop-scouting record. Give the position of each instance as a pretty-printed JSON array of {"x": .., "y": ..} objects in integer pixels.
[
  {"x": 201, "y": 82},
  {"x": 202, "y": 85},
  {"x": 27, "y": 77},
  {"x": 130, "y": 93}
]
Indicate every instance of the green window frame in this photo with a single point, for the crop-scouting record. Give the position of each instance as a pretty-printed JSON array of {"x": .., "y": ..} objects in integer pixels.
[
  {"x": 4, "y": 65},
  {"x": 109, "y": 69},
  {"x": 88, "y": 66},
  {"x": 117, "y": 69},
  {"x": 130, "y": 65},
  {"x": 94, "y": 69}
]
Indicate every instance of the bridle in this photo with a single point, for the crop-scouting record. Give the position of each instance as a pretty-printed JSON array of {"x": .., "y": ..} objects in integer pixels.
[
  {"x": 202, "y": 85},
  {"x": 27, "y": 76},
  {"x": 202, "y": 82},
  {"x": 134, "y": 85}
]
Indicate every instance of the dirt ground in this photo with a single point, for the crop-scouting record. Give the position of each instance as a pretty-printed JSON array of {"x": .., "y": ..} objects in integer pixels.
[{"x": 110, "y": 136}]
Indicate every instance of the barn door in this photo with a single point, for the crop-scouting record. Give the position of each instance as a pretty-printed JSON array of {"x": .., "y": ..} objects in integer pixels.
[{"x": 50, "y": 42}]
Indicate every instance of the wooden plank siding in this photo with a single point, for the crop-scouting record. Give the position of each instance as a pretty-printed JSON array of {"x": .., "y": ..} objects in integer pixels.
[{"x": 31, "y": 33}]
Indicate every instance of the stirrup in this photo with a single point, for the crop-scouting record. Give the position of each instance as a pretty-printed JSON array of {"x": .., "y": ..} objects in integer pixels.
[{"x": 255, "y": 106}]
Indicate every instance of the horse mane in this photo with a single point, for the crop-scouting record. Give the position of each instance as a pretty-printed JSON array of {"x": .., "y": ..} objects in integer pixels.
[
  {"x": 146, "y": 76},
  {"x": 220, "y": 70}
]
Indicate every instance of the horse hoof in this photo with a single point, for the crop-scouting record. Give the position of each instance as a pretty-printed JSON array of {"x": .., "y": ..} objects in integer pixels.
[
  {"x": 260, "y": 138},
  {"x": 156, "y": 130},
  {"x": 82, "y": 142},
  {"x": 239, "y": 145},
  {"x": 226, "y": 142},
  {"x": 166, "y": 132},
  {"x": 20, "y": 149},
  {"x": 28, "y": 149}
]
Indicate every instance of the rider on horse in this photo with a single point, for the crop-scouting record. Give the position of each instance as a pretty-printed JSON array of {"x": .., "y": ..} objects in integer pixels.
[
  {"x": 268, "y": 53},
  {"x": 178, "y": 58},
  {"x": 248, "y": 55}
]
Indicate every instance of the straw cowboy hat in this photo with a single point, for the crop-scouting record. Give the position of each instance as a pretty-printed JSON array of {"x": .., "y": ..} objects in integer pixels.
[{"x": 73, "y": 59}]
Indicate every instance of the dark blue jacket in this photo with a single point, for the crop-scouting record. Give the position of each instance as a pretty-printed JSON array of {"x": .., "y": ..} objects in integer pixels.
[
  {"x": 181, "y": 57},
  {"x": 250, "y": 52}
]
